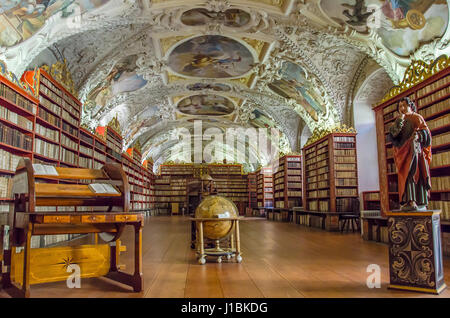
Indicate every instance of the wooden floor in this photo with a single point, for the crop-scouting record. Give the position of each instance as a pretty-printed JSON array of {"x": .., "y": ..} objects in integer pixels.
[{"x": 279, "y": 260}]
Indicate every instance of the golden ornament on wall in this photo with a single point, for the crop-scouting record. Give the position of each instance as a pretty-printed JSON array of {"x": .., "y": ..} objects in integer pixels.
[
  {"x": 416, "y": 73},
  {"x": 115, "y": 125},
  {"x": 321, "y": 132},
  {"x": 60, "y": 72}
]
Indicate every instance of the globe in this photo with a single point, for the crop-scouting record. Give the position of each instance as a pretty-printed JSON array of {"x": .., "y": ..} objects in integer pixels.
[{"x": 211, "y": 207}]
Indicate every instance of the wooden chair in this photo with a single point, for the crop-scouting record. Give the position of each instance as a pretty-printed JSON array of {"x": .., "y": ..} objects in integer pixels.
[{"x": 42, "y": 265}]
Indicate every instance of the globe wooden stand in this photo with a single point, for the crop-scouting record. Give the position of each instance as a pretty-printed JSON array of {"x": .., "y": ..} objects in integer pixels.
[
  {"x": 415, "y": 251},
  {"x": 229, "y": 252}
]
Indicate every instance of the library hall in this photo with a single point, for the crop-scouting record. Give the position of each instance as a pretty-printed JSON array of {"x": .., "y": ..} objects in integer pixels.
[{"x": 221, "y": 150}]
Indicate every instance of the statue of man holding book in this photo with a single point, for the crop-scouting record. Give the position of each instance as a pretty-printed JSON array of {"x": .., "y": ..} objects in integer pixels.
[{"x": 411, "y": 139}]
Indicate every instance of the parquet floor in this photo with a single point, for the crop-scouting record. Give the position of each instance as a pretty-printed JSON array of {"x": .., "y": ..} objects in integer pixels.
[{"x": 279, "y": 260}]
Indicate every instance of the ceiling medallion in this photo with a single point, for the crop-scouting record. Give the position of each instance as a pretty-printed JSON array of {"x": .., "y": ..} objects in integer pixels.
[
  {"x": 233, "y": 18},
  {"x": 211, "y": 56},
  {"x": 206, "y": 105}
]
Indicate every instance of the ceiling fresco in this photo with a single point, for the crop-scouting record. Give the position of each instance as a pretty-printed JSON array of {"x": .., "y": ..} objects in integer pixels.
[
  {"x": 122, "y": 78},
  {"x": 20, "y": 20},
  {"x": 211, "y": 56},
  {"x": 206, "y": 105},
  {"x": 402, "y": 24},
  {"x": 161, "y": 65},
  {"x": 233, "y": 18}
]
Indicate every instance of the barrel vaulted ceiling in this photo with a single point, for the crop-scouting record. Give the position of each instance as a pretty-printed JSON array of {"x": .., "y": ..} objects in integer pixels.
[{"x": 159, "y": 65}]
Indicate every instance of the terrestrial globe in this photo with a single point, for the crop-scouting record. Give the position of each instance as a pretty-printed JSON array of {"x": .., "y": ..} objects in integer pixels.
[{"x": 211, "y": 207}]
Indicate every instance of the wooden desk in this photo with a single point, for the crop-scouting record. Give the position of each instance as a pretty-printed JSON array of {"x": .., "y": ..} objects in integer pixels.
[
  {"x": 329, "y": 220},
  {"x": 34, "y": 192},
  {"x": 286, "y": 214},
  {"x": 369, "y": 223},
  {"x": 233, "y": 251}
]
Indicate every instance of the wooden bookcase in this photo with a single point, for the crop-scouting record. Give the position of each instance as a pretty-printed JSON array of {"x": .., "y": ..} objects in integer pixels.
[
  {"x": 330, "y": 174},
  {"x": 230, "y": 183},
  {"x": 252, "y": 190},
  {"x": 371, "y": 200},
  {"x": 429, "y": 87},
  {"x": 265, "y": 187},
  {"x": 17, "y": 117},
  {"x": 287, "y": 181}
]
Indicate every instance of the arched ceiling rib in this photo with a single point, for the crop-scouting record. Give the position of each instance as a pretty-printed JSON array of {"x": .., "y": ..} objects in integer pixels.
[{"x": 282, "y": 63}]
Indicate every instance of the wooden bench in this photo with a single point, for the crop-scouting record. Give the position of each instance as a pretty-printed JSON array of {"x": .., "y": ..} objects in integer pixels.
[{"x": 101, "y": 213}]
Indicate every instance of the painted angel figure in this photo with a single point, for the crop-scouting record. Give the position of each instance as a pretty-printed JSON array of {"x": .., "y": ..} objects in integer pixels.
[{"x": 411, "y": 139}]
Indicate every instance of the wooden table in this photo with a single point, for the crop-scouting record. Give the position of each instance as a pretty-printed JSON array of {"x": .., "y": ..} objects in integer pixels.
[
  {"x": 285, "y": 213},
  {"x": 330, "y": 220},
  {"x": 233, "y": 251}
]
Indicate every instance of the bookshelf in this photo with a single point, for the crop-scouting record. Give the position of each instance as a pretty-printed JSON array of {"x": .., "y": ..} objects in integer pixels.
[
  {"x": 371, "y": 200},
  {"x": 17, "y": 125},
  {"x": 429, "y": 87},
  {"x": 287, "y": 181},
  {"x": 264, "y": 187},
  {"x": 330, "y": 177},
  {"x": 252, "y": 189}
]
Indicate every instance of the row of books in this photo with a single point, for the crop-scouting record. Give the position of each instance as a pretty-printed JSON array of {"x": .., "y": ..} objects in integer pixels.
[
  {"x": 344, "y": 166},
  {"x": 16, "y": 98},
  {"x": 46, "y": 149},
  {"x": 346, "y": 192},
  {"x": 322, "y": 150},
  {"x": 344, "y": 204},
  {"x": 440, "y": 159},
  {"x": 345, "y": 159},
  {"x": 430, "y": 98},
  {"x": 69, "y": 129},
  {"x": 47, "y": 132},
  {"x": 16, "y": 119},
  {"x": 440, "y": 183},
  {"x": 69, "y": 118},
  {"x": 444, "y": 206},
  {"x": 85, "y": 150},
  {"x": 69, "y": 156},
  {"x": 347, "y": 182},
  {"x": 85, "y": 162},
  {"x": 51, "y": 94},
  {"x": 69, "y": 143},
  {"x": 433, "y": 86},
  {"x": 319, "y": 194},
  {"x": 50, "y": 85},
  {"x": 294, "y": 164},
  {"x": 439, "y": 122},
  {"x": 348, "y": 139},
  {"x": 8, "y": 161},
  {"x": 321, "y": 205},
  {"x": 344, "y": 152},
  {"x": 15, "y": 138},
  {"x": 48, "y": 117},
  {"x": 441, "y": 139},
  {"x": 99, "y": 156},
  {"x": 345, "y": 145},
  {"x": 346, "y": 174},
  {"x": 5, "y": 186},
  {"x": 372, "y": 196},
  {"x": 433, "y": 109},
  {"x": 49, "y": 105}
]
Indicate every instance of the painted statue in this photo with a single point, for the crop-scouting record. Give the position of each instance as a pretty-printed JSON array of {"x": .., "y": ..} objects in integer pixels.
[{"x": 411, "y": 139}]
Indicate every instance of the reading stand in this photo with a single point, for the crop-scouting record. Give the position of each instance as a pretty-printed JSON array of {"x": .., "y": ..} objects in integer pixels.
[{"x": 33, "y": 191}]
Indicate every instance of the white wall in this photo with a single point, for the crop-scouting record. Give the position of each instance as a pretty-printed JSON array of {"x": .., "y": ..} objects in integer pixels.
[{"x": 366, "y": 145}]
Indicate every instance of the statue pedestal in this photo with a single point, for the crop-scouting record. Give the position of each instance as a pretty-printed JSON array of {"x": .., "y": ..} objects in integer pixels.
[{"x": 415, "y": 251}]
